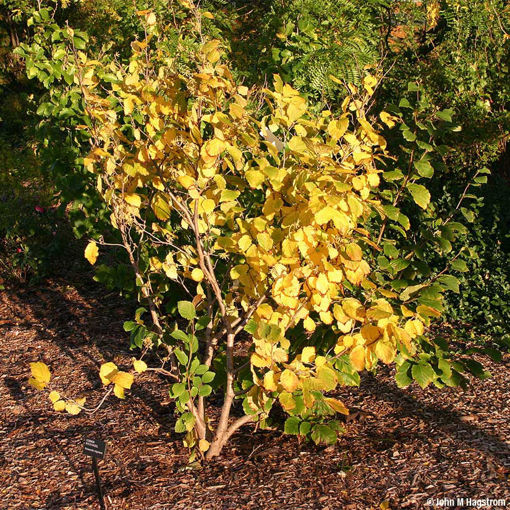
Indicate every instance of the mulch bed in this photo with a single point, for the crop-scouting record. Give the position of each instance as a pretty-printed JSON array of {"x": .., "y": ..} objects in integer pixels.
[{"x": 401, "y": 446}]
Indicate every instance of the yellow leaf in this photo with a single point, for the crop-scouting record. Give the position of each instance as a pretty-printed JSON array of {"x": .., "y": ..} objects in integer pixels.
[
  {"x": 385, "y": 351},
  {"x": 382, "y": 310},
  {"x": 433, "y": 11},
  {"x": 336, "y": 80},
  {"x": 388, "y": 119},
  {"x": 326, "y": 377},
  {"x": 326, "y": 317},
  {"x": 214, "y": 147},
  {"x": 357, "y": 357},
  {"x": 74, "y": 407},
  {"x": 186, "y": 181},
  {"x": 270, "y": 381},
  {"x": 91, "y": 252},
  {"x": 264, "y": 240},
  {"x": 353, "y": 308},
  {"x": 236, "y": 111},
  {"x": 337, "y": 128},
  {"x": 337, "y": 406},
  {"x": 197, "y": 275},
  {"x": 123, "y": 379},
  {"x": 308, "y": 354},
  {"x": 203, "y": 445},
  {"x": 40, "y": 372},
  {"x": 54, "y": 396},
  {"x": 151, "y": 19},
  {"x": 170, "y": 271},
  {"x": 59, "y": 405},
  {"x": 296, "y": 108},
  {"x": 161, "y": 207},
  {"x": 208, "y": 205},
  {"x": 369, "y": 82},
  {"x": 133, "y": 199},
  {"x": 427, "y": 311},
  {"x": 244, "y": 242},
  {"x": 322, "y": 284},
  {"x": 208, "y": 15},
  {"x": 258, "y": 361},
  {"x": 139, "y": 365},
  {"x": 118, "y": 391},
  {"x": 287, "y": 401},
  {"x": 414, "y": 328},
  {"x": 254, "y": 178},
  {"x": 354, "y": 252},
  {"x": 38, "y": 385},
  {"x": 289, "y": 380},
  {"x": 297, "y": 144},
  {"x": 309, "y": 324},
  {"x": 370, "y": 333},
  {"x": 213, "y": 56},
  {"x": 107, "y": 372}
]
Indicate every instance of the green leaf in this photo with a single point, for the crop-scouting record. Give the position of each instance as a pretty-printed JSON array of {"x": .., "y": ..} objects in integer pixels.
[
  {"x": 208, "y": 377},
  {"x": 392, "y": 212},
  {"x": 409, "y": 135},
  {"x": 251, "y": 327},
  {"x": 323, "y": 434},
  {"x": 476, "y": 369},
  {"x": 402, "y": 375},
  {"x": 446, "y": 369},
  {"x": 449, "y": 282},
  {"x": 404, "y": 221},
  {"x": 390, "y": 250},
  {"x": 292, "y": 425},
  {"x": 180, "y": 427},
  {"x": 180, "y": 335},
  {"x": 494, "y": 354},
  {"x": 79, "y": 43},
  {"x": 201, "y": 370},
  {"x": 404, "y": 103},
  {"x": 304, "y": 428},
  {"x": 186, "y": 310},
  {"x": 247, "y": 408},
  {"x": 138, "y": 334},
  {"x": 183, "y": 359},
  {"x": 423, "y": 374},
  {"x": 393, "y": 175},
  {"x": 424, "y": 168},
  {"x": 129, "y": 326},
  {"x": 204, "y": 391},
  {"x": 399, "y": 264},
  {"x": 178, "y": 389},
  {"x": 445, "y": 115},
  {"x": 189, "y": 421},
  {"x": 202, "y": 322},
  {"x": 420, "y": 194},
  {"x": 468, "y": 214}
]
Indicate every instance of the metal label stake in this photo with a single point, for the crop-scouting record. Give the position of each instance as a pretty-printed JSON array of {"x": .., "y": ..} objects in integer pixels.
[{"x": 96, "y": 448}]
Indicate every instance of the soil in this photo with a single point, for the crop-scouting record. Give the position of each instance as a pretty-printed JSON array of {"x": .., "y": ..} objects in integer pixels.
[{"x": 401, "y": 447}]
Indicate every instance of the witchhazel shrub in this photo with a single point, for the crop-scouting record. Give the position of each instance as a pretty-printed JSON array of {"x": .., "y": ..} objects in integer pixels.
[{"x": 253, "y": 206}]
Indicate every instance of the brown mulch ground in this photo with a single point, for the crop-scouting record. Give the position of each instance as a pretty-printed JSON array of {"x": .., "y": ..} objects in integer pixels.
[{"x": 416, "y": 445}]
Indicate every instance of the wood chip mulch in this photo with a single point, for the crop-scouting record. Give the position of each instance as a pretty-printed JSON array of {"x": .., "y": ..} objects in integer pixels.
[{"x": 401, "y": 447}]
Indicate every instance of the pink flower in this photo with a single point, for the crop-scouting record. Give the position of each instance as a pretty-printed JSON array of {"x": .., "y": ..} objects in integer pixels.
[{"x": 39, "y": 209}]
